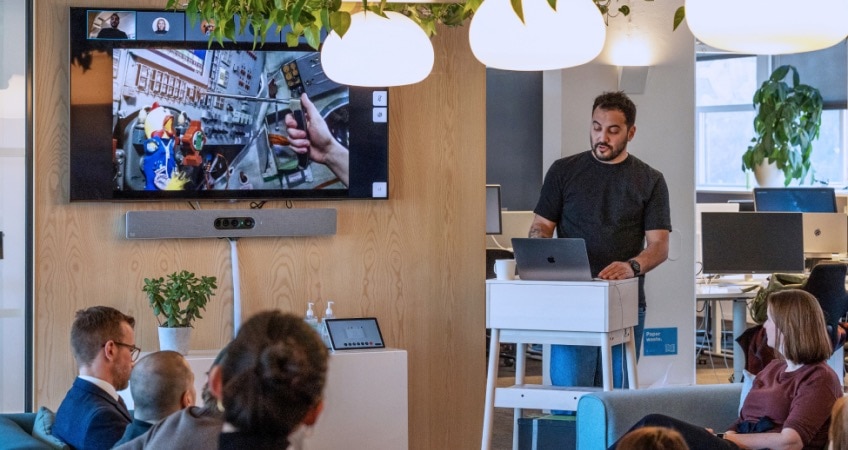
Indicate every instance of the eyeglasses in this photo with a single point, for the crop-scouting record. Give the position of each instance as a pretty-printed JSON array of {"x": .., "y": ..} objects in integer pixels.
[{"x": 134, "y": 351}]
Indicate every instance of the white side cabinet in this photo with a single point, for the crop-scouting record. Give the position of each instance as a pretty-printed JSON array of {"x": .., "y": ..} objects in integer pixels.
[{"x": 365, "y": 399}]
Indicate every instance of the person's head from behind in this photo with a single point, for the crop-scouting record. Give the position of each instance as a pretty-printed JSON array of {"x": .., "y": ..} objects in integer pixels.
[
  {"x": 613, "y": 126},
  {"x": 272, "y": 376},
  {"x": 103, "y": 344},
  {"x": 795, "y": 327},
  {"x": 114, "y": 20},
  {"x": 652, "y": 438},
  {"x": 161, "y": 383},
  {"x": 838, "y": 432}
]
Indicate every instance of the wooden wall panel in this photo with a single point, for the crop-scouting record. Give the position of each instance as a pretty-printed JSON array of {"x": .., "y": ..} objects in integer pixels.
[{"x": 415, "y": 261}]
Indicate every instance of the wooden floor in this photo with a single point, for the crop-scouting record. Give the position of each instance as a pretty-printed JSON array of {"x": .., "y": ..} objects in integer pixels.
[{"x": 714, "y": 370}]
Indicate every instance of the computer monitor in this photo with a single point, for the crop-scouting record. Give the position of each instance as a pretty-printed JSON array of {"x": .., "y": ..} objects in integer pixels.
[
  {"x": 795, "y": 199},
  {"x": 493, "y": 209},
  {"x": 701, "y": 208},
  {"x": 513, "y": 224},
  {"x": 752, "y": 242}
]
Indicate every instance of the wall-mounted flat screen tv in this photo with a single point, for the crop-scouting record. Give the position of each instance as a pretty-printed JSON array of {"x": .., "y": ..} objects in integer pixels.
[{"x": 159, "y": 113}]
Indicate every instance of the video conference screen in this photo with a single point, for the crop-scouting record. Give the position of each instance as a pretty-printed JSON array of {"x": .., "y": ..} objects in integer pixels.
[{"x": 158, "y": 112}]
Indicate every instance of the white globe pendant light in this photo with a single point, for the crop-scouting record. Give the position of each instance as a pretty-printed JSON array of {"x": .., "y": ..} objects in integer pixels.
[
  {"x": 376, "y": 51},
  {"x": 768, "y": 27},
  {"x": 572, "y": 35}
]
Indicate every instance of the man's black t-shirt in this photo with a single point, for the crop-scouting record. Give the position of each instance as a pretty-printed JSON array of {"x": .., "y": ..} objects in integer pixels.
[
  {"x": 609, "y": 205},
  {"x": 111, "y": 33}
]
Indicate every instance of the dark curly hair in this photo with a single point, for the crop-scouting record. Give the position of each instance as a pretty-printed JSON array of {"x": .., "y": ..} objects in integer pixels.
[
  {"x": 273, "y": 373},
  {"x": 617, "y": 101}
]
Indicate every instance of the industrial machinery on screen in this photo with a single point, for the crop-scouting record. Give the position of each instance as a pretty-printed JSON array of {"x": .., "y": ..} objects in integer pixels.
[{"x": 191, "y": 119}]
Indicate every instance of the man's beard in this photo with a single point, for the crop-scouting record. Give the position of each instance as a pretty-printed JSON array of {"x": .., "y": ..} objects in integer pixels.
[{"x": 613, "y": 152}]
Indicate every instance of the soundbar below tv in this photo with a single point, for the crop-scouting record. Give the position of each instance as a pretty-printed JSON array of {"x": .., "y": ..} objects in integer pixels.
[{"x": 159, "y": 113}]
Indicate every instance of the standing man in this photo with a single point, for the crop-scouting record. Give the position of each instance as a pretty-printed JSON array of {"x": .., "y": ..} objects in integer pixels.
[
  {"x": 92, "y": 415},
  {"x": 620, "y": 206}
]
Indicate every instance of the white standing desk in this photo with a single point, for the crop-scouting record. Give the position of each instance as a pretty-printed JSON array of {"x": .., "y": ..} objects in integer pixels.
[
  {"x": 592, "y": 313},
  {"x": 740, "y": 300}
]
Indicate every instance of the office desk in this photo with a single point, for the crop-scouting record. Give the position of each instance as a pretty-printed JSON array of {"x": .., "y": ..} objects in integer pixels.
[
  {"x": 593, "y": 313},
  {"x": 740, "y": 300}
]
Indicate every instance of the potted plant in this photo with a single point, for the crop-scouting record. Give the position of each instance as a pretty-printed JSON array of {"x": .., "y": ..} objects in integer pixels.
[
  {"x": 787, "y": 121},
  {"x": 176, "y": 303},
  {"x": 308, "y": 19}
]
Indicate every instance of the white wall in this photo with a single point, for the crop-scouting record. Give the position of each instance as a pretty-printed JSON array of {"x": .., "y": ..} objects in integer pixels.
[
  {"x": 12, "y": 204},
  {"x": 664, "y": 139}
]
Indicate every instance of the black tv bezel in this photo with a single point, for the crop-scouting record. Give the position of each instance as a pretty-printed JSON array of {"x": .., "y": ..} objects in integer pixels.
[{"x": 366, "y": 168}]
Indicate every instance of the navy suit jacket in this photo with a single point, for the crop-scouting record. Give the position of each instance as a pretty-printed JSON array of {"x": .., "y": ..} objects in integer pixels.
[
  {"x": 136, "y": 429},
  {"x": 89, "y": 418}
]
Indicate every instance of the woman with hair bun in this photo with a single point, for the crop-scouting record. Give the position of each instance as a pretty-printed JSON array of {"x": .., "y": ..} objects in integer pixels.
[{"x": 270, "y": 381}]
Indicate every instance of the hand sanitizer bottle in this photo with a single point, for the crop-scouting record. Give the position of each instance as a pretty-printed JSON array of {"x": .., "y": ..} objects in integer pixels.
[
  {"x": 328, "y": 314},
  {"x": 311, "y": 319}
]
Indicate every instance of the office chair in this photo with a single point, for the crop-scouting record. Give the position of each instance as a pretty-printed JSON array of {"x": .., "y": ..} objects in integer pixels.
[
  {"x": 507, "y": 351},
  {"x": 827, "y": 283}
]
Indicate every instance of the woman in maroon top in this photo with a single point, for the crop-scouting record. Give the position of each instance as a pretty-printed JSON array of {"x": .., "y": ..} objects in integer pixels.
[{"x": 789, "y": 404}]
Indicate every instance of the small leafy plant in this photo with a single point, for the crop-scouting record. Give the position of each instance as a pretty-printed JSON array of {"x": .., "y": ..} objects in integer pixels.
[
  {"x": 180, "y": 299},
  {"x": 787, "y": 122}
]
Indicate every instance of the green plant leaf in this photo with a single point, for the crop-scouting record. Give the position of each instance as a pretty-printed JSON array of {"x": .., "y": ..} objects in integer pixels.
[
  {"x": 518, "y": 9},
  {"x": 340, "y": 22},
  {"x": 679, "y": 15},
  {"x": 296, "y": 10},
  {"x": 313, "y": 36}
]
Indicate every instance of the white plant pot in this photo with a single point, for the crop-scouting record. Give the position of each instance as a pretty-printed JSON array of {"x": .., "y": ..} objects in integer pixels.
[
  {"x": 768, "y": 175},
  {"x": 176, "y": 339}
]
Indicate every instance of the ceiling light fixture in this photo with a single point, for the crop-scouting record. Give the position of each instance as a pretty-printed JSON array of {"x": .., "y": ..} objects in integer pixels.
[
  {"x": 768, "y": 27},
  {"x": 571, "y": 35},
  {"x": 378, "y": 52}
]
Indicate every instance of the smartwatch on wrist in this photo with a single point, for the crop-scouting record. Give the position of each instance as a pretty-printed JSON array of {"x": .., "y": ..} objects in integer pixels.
[{"x": 637, "y": 269}]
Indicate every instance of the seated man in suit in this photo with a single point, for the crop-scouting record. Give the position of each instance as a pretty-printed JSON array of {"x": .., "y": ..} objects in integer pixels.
[
  {"x": 92, "y": 415},
  {"x": 161, "y": 383}
]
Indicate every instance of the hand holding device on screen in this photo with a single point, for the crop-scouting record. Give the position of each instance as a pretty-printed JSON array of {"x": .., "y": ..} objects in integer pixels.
[{"x": 317, "y": 141}]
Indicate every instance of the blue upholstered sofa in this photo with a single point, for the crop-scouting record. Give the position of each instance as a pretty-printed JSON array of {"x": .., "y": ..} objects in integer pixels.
[
  {"x": 16, "y": 432},
  {"x": 603, "y": 417},
  {"x": 28, "y": 431}
]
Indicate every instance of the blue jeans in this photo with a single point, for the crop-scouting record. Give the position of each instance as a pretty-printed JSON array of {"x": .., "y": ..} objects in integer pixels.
[{"x": 578, "y": 365}]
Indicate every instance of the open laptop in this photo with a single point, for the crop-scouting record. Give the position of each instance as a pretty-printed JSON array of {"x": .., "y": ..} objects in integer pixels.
[{"x": 561, "y": 259}]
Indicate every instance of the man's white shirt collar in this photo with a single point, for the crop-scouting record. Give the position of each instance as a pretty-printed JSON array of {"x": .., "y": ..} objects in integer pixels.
[{"x": 106, "y": 386}]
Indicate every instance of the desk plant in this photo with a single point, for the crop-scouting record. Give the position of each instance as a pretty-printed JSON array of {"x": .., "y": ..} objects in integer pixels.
[
  {"x": 787, "y": 121},
  {"x": 176, "y": 303}
]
